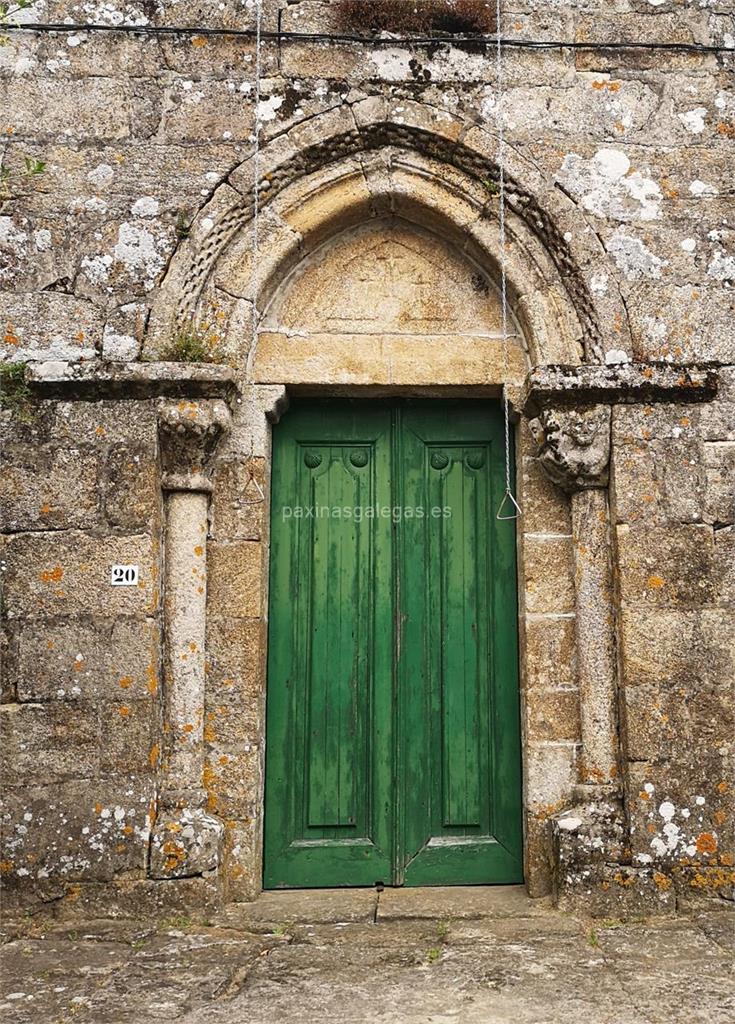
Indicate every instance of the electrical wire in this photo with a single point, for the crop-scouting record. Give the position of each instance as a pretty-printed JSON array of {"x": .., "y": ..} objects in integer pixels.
[{"x": 382, "y": 40}]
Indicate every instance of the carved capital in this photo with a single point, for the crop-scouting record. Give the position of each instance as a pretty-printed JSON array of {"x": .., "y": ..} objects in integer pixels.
[
  {"x": 189, "y": 433},
  {"x": 574, "y": 446}
]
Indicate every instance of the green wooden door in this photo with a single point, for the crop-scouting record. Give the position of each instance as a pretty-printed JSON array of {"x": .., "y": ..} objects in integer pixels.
[{"x": 392, "y": 739}]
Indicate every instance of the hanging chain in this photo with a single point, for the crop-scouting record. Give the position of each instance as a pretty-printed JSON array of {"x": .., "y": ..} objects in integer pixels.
[
  {"x": 514, "y": 508},
  {"x": 256, "y": 168}
]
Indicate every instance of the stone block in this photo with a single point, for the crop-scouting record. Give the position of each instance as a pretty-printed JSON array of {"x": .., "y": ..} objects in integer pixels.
[
  {"x": 550, "y": 656},
  {"x": 545, "y": 506},
  {"x": 132, "y": 490},
  {"x": 242, "y": 859},
  {"x": 719, "y": 469},
  {"x": 68, "y": 573},
  {"x": 681, "y": 810},
  {"x": 240, "y": 507},
  {"x": 550, "y": 776},
  {"x": 548, "y": 572},
  {"x": 660, "y": 481},
  {"x": 684, "y": 323},
  {"x": 667, "y": 567},
  {"x": 104, "y": 660},
  {"x": 233, "y": 782},
  {"x": 724, "y": 566},
  {"x": 48, "y": 488},
  {"x": 553, "y": 715},
  {"x": 76, "y": 830},
  {"x": 99, "y": 107},
  {"x": 235, "y": 579},
  {"x": 129, "y": 737},
  {"x": 49, "y": 325},
  {"x": 187, "y": 844},
  {"x": 46, "y": 743}
]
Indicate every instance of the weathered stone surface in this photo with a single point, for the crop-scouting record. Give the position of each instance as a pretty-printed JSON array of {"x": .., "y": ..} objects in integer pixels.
[
  {"x": 188, "y": 845},
  {"x": 68, "y": 573},
  {"x": 76, "y": 830},
  {"x": 107, "y": 660},
  {"x": 235, "y": 579},
  {"x": 667, "y": 566},
  {"x": 549, "y": 574},
  {"x": 44, "y": 487},
  {"x": 574, "y": 446}
]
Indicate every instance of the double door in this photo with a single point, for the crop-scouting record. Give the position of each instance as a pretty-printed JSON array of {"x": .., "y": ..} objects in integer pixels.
[{"x": 392, "y": 735}]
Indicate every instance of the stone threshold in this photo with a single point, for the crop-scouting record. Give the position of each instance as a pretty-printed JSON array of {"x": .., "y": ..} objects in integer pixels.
[{"x": 274, "y": 909}]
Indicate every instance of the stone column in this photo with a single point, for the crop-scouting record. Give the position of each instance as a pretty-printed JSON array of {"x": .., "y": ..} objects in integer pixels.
[
  {"x": 574, "y": 450},
  {"x": 186, "y": 840}
]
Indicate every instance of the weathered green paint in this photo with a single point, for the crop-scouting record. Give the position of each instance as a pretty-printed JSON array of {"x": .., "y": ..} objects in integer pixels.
[{"x": 393, "y": 746}]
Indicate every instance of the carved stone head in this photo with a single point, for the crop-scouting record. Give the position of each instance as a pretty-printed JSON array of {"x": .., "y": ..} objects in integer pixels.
[{"x": 574, "y": 446}]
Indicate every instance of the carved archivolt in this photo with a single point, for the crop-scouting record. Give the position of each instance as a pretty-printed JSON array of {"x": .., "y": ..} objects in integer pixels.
[{"x": 453, "y": 157}]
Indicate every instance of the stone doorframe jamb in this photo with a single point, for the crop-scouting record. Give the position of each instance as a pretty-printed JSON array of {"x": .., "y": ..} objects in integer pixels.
[{"x": 569, "y": 409}]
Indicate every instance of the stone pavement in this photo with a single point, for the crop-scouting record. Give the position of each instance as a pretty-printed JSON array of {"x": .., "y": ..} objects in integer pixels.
[{"x": 430, "y": 956}]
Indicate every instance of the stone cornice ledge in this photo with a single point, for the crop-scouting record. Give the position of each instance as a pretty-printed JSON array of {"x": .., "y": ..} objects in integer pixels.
[
  {"x": 98, "y": 380},
  {"x": 630, "y": 383}
]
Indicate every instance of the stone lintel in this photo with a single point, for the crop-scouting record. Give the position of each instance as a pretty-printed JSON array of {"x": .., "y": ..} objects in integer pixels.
[
  {"x": 132, "y": 381},
  {"x": 623, "y": 383}
]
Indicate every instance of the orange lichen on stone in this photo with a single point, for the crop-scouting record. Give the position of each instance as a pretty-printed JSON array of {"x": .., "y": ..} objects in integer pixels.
[
  {"x": 6, "y": 866},
  {"x": 125, "y": 683},
  {"x": 643, "y": 795},
  {"x": 10, "y": 337},
  {"x": 625, "y": 880},
  {"x": 727, "y": 858},
  {"x": 153, "y": 756},
  {"x": 662, "y": 882},
  {"x": 722, "y": 787},
  {"x": 98, "y": 808},
  {"x": 656, "y": 582},
  {"x": 723, "y": 128},
  {"x": 100, "y": 431},
  {"x": 717, "y": 879},
  {"x": 198, "y": 41},
  {"x": 127, "y": 830},
  {"x": 45, "y": 509},
  {"x": 123, "y": 711},
  {"x": 719, "y": 817},
  {"x": 706, "y": 843},
  {"x": 187, "y": 728},
  {"x": 193, "y": 646},
  {"x": 52, "y": 575},
  {"x": 199, "y": 550},
  {"x": 152, "y": 683}
]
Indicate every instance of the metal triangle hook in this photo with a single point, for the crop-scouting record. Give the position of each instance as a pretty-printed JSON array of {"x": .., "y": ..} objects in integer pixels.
[{"x": 516, "y": 511}]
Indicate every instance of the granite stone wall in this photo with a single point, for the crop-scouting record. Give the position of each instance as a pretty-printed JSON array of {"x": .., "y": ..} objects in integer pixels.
[{"x": 128, "y": 239}]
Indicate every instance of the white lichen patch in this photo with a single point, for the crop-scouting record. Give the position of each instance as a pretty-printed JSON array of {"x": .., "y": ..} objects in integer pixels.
[
  {"x": 607, "y": 186},
  {"x": 693, "y": 120},
  {"x": 722, "y": 267},
  {"x": 146, "y": 206},
  {"x": 633, "y": 258}
]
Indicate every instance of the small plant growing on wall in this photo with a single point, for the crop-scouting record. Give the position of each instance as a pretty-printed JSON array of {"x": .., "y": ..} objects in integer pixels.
[
  {"x": 193, "y": 342},
  {"x": 7, "y": 11},
  {"x": 15, "y": 395},
  {"x": 465, "y": 17}
]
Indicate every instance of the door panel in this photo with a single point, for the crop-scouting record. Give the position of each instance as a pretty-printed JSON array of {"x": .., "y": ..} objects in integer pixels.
[
  {"x": 393, "y": 749},
  {"x": 454, "y": 618},
  {"x": 328, "y": 816}
]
